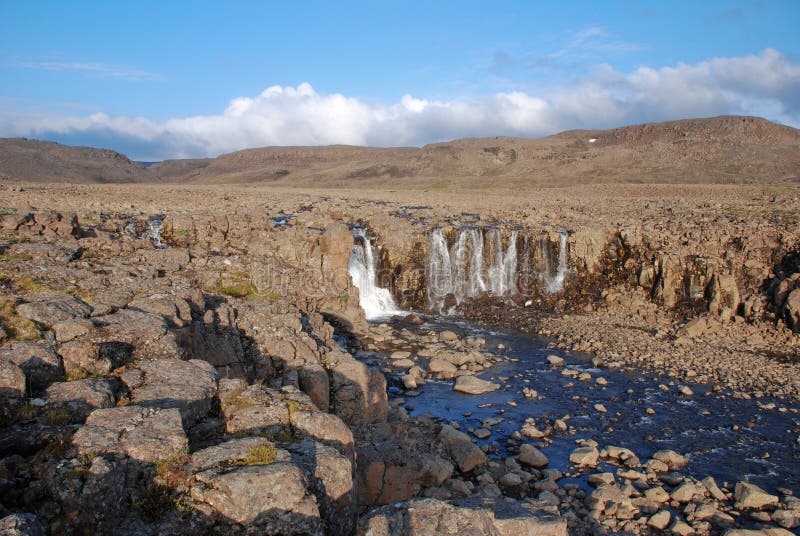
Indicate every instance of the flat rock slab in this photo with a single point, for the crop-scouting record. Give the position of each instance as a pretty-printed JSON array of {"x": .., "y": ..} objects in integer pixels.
[
  {"x": 50, "y": 308},
  {"x": 480, "y": 517},
  {"x": 144, "y": 434},
  {"x": 170, "y": 383},
  {"x": 38, "y": 360},
  {"x": 270, "y": 499},
  {"x": 751, "y": 496},
  {"x": 81, "y": 397},
  {"x": 474, "y": 386}
]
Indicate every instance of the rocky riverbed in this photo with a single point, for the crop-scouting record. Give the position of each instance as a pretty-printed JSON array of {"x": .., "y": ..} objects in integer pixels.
[{"x": 189, "y": 360}]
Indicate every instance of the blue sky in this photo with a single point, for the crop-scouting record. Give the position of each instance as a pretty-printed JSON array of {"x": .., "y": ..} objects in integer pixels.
[{"x": 175, "y": 79}]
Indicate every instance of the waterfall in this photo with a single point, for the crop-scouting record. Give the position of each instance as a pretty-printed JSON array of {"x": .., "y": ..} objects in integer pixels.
[
  {"x": 377, "y": 302},
  {"x": 154, "y": 227},
  {"x": 496, "y": 269},
  {"x": 439, "y": 273},
  {"x": 460, "y": 270},
  {"x": 458, "y": 258},
  {"x": 476, "y": 282},
  {"x": 509, "y": 275},
  {"x": 555, "y": 283}
]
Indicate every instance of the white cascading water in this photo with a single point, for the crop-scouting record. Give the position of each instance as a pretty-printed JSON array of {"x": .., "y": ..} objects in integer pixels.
[
  {"x": 555, "y": 283},
  {"x": 458, "y": 261},
  {"x": 439, "y": 274},
  {"x": 460, "y": 270},
  {"x": 509, "y": 274},
  {"x": 476, "y": 281},
  {"x": 377, "y": 302},
  {"x": 496, "y": 270}
]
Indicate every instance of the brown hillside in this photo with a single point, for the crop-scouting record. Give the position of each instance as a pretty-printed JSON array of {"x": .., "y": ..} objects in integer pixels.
[
  {"x": 39, "y": 161},
  {"x": 725, "y": 149}
]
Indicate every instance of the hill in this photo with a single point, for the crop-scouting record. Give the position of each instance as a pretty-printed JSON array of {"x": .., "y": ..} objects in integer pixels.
[
  {"x": 41, "y": 161},
  {"x": 725, "y": 149}
]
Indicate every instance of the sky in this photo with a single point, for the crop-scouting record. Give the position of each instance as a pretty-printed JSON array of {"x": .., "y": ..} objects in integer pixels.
[{"x": 157, "y": 80}]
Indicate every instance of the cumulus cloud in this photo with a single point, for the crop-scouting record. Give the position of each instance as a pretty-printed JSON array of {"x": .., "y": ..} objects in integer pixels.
[{"x": 767, "y": 84}]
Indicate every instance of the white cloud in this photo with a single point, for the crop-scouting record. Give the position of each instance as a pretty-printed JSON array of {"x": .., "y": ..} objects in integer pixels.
[
  {"x": 102, "y": 70},
  {"x": 767, "y": 84}
]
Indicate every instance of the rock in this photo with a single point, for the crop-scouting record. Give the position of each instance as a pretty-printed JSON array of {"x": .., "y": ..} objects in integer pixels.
[
  {"x": 788, "y": 519},
  {"x": 659, "y": 520},
  {"x": 711, "y": 485},
  {"x": 187, "y": 385},
  {"x": 475, "y": 517},
  {"x": 444, "y": 368},
  {"x": 684, "y": 493},
  {"x": 82, "y": 358},
  {"x": 556, "y": 361},
  {"x": 600, "y": 408},
  {"x": 400, "y": 354},
  {"x": 358, "y": 392},
  {"x": 598, "y": 479},
  {"x": 671, "y": 458},
  {"x": 685, "y": 390},
  {"x": 144, "y": 434},
  {"x": 474, "y": 386},
  {"x": 585, "y": 456},
  {"x": 37, "y": 360},
  {"x": 530, "y": 455},
  {"x": 330, "y": 479},
  {"x": 694, "y": 327},
  {"x": 81, "y": 397},
  {"x": 448, "y": 336},
  {"x": 681, "y": 528},
  {"x": 314, "y": 382},
  {"x": 252, "y": 409},
  {"x": 435, "y": 470},
  {"x": 21, "y": 525},
  {"x": 791, "y": 310},
  {"x": 68, "y": 330},
  {"x": 268, "y": 499},
  {"x": 751, "y": 496},
  {"x": 462, "y": 450},
  {"x": 50, "y": 308},
  {"x": 403, "y": 363},
  {"x": 12, "y": 380}
]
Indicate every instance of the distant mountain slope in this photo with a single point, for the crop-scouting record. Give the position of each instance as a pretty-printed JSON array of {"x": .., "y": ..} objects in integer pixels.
[
  {"x": 725, "y": 149},
  {"x": 40, "y": 161}
]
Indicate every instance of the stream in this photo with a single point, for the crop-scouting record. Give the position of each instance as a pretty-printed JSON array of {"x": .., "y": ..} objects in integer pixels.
[{"x": 763, "y": 450}]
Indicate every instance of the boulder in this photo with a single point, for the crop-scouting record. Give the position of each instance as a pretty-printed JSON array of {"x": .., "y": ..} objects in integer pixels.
[
  {"x": 474, "y": 386},
  {"x": 37, "y": 360},
  {"x": 268, "y": 499},
  {"x": 671, "y": 458},
  {"x": 144, "y": 434},
  {"x": 530, "y": 455},
  {"x": 12, "y": 380},
  {"x": 253, "y": 409},
  {"x": 791, "y": 310},
  {"x": 585, "y": 456},
  {"x": 187, "y": 385},
  {"x": 556, "y": 361},
  {"x": 50, "y": 308},
  {"x": 359, "y": 392},
  {"x": 330, "y": 479},
  {"x": 445, "y": 369},
  {"x": 21, "y": 525},
  {"x": 462, "y": 450},
  {"x": 751, "y": 496},
  {"x": 79, "y": 398},
  {"x": 480, "y": 517}
]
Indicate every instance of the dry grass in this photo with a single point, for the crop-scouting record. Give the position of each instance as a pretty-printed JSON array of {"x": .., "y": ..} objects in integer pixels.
[
  {"x": 263, "y": 455},
  {"x": 18, "y": 328}
]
